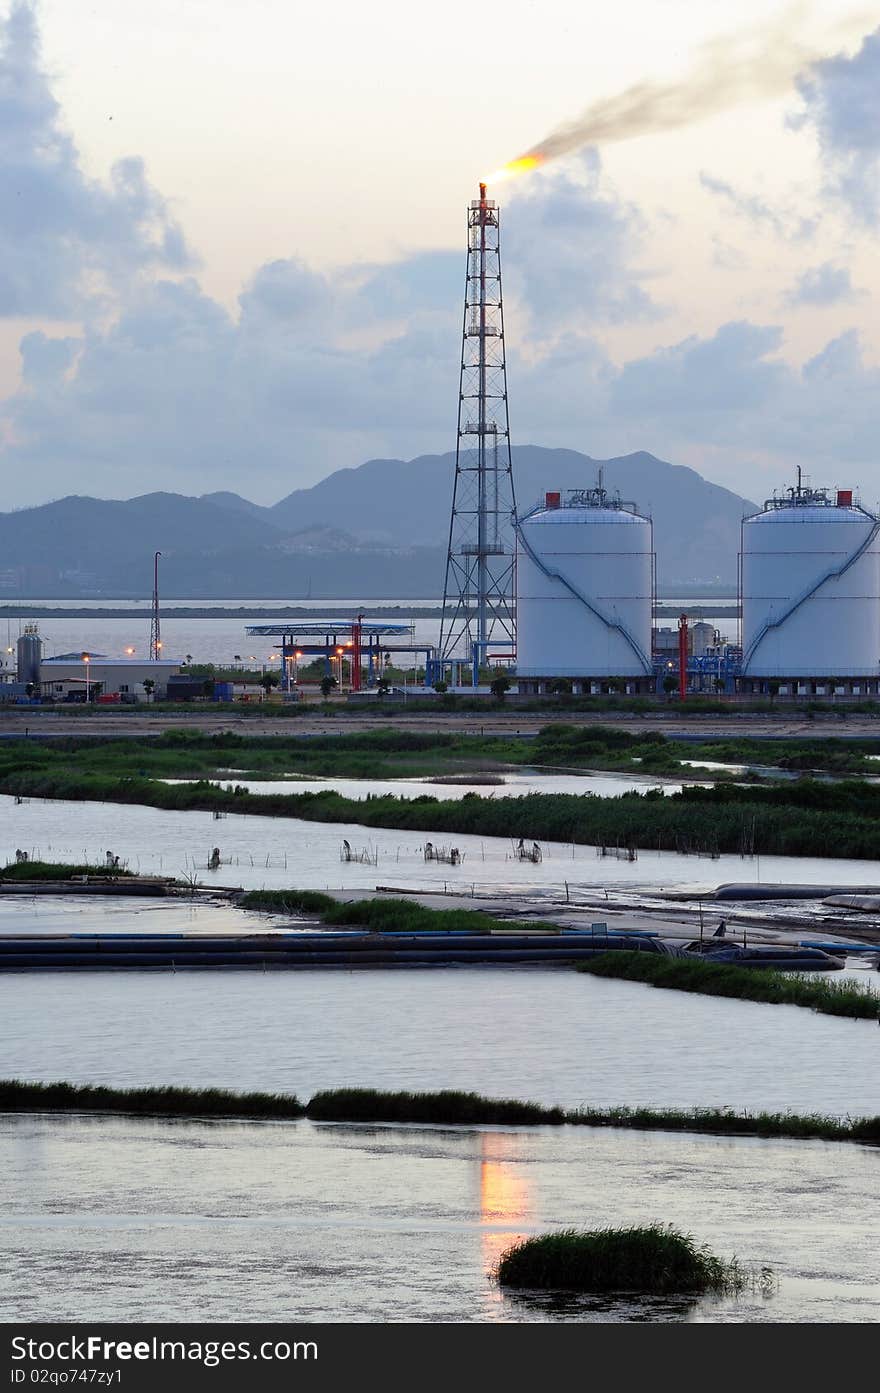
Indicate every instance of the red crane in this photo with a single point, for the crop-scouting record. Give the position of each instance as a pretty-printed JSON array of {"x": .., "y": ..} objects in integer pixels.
[{"x": 682, "y": 657}]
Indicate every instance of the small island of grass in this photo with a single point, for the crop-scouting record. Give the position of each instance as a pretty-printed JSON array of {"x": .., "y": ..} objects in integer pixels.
[
  {"x": 652, "y": 1259},
  {"x": 693, "y": 974},
  {"x": 58, "y": 870},
  {"x": 449, "y": 1106}
]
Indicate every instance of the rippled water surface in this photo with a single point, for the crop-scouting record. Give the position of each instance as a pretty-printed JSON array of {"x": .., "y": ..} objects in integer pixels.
[
  {"x": 551, "y": 1034},
  {"x": 124, "y": 1219},
  {"x": 509, "y": 785},
  {"x": 282, "y": 852},
  {"x": 105, "y": 914}
]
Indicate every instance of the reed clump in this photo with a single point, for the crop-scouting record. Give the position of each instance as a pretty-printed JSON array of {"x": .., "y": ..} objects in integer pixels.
[
  {"x": 57, "y": 870},
  {"x": 374, "y": 1105},
  {"x": 289, "y": 902},
  {"x": 17, "y": 1095},
  {"x": 446, "y": 1107},
  {"x": 652, "y": 1259},
  {"x": 450, "y": 755},
  {"x": 395, "y": 915},
  {"x": 728, "y": 1122},
  {"x": 830, "y": 998},
  {"x": 386, "y": 915},
  {"x": 798, "y": 819}
]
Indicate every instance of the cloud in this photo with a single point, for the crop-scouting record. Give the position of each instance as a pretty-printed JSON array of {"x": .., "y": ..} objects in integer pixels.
[
  {"x": 841, "y": 97},
  {"x": 704, "y": 377},
  {"x": 726, "y": 256},
  {"x": 179, "y": 394},
  {"x": 319, "y": 369},
  {"x": 822, "y": 285},
  {"x": 781, "y": 220},
  {"x": 315, "y": 369},
  {"x": 570, "y": 245},
  {"x": 731, "y": 395},
  {"x": 65, "y": 238}
]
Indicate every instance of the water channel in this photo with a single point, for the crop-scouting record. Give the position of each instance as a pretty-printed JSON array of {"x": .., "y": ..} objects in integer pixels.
[{"x": 122, "y": 1219}]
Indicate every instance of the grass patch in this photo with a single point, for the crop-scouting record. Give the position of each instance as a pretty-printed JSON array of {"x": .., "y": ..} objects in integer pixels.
[
  {"x": 447, "y": 1106},
  {"x": 18, "y": 1096},
  {"x": 654, "y": 1259},
  {"x": 387, "y": 915},
  {"x": 393, "y": 915},
  {"x": 57, "y": 870},
  {"x": 830, "y": 998},
  {"x": 289, "y": 902},
  {"x": 449, "y": 755},
  {"x": 797, "y": 819},
  {"x": 726, "y": 1122}
]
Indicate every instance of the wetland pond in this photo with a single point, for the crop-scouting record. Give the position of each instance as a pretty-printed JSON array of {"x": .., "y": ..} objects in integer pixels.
[
  {"x": 126, "y": 1219},
  {"x": 139, "y": 1219}
]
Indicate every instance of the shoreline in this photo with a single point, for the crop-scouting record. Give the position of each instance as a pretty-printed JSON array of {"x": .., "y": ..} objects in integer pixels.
[{"x": 445, "y": 1108}]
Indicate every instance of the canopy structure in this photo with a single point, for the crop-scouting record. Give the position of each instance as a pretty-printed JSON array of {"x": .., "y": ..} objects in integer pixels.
[{"x": 332, "y": 639}]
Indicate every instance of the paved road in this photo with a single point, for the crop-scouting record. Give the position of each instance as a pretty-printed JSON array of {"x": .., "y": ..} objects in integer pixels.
[{"x": 16, "y": 723}]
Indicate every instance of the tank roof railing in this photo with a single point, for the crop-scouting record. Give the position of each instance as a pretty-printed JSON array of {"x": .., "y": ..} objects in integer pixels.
[
  {"x": 597, "y": 497},
  {"x": 800, "y": 496},
  {"x": 589, "y": 498},
  {"x": 803, "y": 495}
]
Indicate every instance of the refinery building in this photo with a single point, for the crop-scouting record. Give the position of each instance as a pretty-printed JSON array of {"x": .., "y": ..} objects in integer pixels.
[
  {"x": 810, "y": 595},
  {"x": 585, "y": 594},
  {"x": 809, "y": 601},
  {"x": 563, "y": 594}
]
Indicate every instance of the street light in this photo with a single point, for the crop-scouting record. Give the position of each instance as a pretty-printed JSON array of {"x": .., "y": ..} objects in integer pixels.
[
  {"x": 129, "y": 652},
  {"x": 339, "y": 653},
  {"x": 86, "y": 660}
]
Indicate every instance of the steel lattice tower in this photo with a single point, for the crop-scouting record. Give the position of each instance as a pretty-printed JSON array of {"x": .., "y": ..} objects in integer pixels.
[
  {"x": 479, "y": 594},
  {"x": 155, "y": 628}
]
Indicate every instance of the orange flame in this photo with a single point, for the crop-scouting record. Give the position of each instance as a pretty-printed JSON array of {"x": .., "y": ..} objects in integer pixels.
[{"x": 523, "y": 165}]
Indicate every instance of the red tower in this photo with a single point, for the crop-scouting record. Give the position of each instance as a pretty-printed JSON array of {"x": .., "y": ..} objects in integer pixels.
[{"x": 683, "y": 656}]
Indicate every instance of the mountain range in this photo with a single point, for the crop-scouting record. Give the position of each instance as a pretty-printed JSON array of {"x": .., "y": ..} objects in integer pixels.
[{"x": 379, "y": 530}]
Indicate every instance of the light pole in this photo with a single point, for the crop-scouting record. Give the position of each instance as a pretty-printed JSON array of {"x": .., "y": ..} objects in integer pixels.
[
  {"x": 86, "y": 660},
  {"x": 339, "y": 653}
]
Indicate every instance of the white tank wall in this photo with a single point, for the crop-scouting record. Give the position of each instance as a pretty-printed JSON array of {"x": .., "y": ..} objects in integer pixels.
[
  {"x": 29, "y": 650},
  {"x": 606, "y": 553},
  {"x": 836, "y": 632}
]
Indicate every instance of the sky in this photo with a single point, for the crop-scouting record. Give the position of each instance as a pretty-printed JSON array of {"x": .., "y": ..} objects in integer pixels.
[{"x": 232, "y": 237}]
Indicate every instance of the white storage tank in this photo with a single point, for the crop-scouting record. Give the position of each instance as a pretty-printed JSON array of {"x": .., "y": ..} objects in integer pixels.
[
  {"x": 810, "y": 580},
  {"x": 29, "y": 651},
  {"x": 585, "y": 586}
]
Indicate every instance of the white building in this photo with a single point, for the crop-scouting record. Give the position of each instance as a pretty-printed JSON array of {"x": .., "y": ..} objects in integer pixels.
[
  {"x": 78, "y": 674},
  {"x": 810, "y": 567},
  {"x": 585, "y": 584}
]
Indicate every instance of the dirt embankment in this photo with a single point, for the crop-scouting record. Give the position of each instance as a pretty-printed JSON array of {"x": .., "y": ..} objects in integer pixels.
[{"x": 32, "y": 721}]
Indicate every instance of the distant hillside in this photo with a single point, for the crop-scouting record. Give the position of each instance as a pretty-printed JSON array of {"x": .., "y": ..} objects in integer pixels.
[
  {"x": 696, "y": 523},
  {"x": 80, "y": 533},
  {"x": 378, "y": 530}
]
